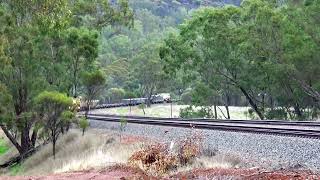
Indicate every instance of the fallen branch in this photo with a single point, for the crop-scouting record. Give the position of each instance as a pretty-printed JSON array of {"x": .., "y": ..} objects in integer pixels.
[{"x": 18, "y": 159}]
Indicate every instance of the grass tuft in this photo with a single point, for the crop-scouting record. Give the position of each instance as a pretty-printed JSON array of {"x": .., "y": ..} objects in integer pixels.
[{"x": 3, "y": 147}]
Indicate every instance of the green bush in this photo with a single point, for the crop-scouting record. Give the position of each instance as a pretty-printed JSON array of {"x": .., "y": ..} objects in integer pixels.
[
  {"x": 190, "y": 112},
  {"x": 84, "y": 124},
  {"x": 277, "y": 114}
]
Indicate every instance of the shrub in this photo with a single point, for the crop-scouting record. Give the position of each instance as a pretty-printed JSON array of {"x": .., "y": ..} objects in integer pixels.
[
  {"x": 155, "y": 159},
  {"x": 51, "y": 106},
  {"x": 190, "y": 112},
  {"x": 142, "y": 107},
  {"x": 84, "y": 124},
  {"x": 159, "y": 159},
  {"x": 276, "y": 114},
  {"x": 190, "y": 148}
]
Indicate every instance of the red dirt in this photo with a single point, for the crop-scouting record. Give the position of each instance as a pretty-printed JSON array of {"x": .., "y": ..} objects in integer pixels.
[
  {"x": 247, "y": 174},
  {"x": 126, "y": 139},
  {"x": 127, "y": 173},
  {"x": 116, "y": 172}
]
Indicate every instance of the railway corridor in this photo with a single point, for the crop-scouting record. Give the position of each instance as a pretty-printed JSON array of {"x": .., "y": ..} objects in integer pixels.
[{"x": 261, "y": 150}]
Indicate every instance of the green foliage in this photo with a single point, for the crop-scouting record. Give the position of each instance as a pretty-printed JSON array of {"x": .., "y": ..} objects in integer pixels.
[
  {"x": 16, "y": 170},
  {"x": 186, "y": 97},
  {"x": 192, "y": 112},
  {"x": 130, "y": 56},
  {"x": 277, "y": 114},
  {"x": 93, "y": 83},
  {"x": 6, "y": 108},
  {"x": 46, "y": 46},
  {"x": 68, "y": 117},
  {"x": 115, "y": 94},
  {"x": 264, "y": 50},
  {"x": 142, "y": 107},
  {"x": 52, "y": 107},
  {"x": 83, "y": 124},
  {"x": 93, "y": 79},
  {"x": 123, "y": 124},
  {"x": 130, "y": 95},
  {"x": 3, "y": 147},
  {"x": 50, "y": 99}
]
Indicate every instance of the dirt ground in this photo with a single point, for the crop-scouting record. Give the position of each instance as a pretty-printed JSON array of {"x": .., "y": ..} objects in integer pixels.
[
  {"x": 124, "y": 172},
  {"x": 127, "y": 173}
]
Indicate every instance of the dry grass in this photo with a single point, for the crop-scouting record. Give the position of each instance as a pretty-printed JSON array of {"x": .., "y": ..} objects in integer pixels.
[
  {"x": 75, "y": 152},
  {"x": 164, "y": 110},
  {"x": 207, "y": 162},
  {"x": 186, "y": 155},
  {"x": 98, "y": 149}
]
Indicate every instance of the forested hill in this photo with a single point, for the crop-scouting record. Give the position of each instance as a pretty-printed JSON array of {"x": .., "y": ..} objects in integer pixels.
[
  {"x": 192, "y": 4},
  {"x": 124, "y": 51}
]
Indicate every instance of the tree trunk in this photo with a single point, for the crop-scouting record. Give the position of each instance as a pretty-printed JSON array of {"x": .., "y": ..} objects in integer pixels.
[
  {"x": 149, "y": 101},
  {"x": 34, "y": 137},
  {"x": 12, "y": 139},
  {"x": 298, "y": 112},
  {"x": 54, "y": 147},
  {"x": 228, "y": 113},
  {"x": 26, "y": 144},
  {"x": 252, "y": 104},
  {"x": 83, "y": 131},
  {"x": 215, "y": 112},
  {"x": 227, "y": 105},
  {"x": 87, "y": 109}
]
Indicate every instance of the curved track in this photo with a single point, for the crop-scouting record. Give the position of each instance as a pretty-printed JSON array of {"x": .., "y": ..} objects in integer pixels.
[
  {"x": 234, "y": 121},
  {"x": 261, "y": 127}
]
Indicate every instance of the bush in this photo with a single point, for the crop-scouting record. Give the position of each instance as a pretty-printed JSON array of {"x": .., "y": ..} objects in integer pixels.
[
  {"x": 155, "y": 159},
  {"x": 84, "y": 124},
  {"x": 190, "y": 148},
  {"x": 160, "y": 159},
  {"x": 190, "y": 112},
  {"x": 277, "y": 114}
]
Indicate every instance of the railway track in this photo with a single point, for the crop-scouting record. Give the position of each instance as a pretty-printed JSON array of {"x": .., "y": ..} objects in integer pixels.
[
  {"x": 234, "y": 121},
  {"x": 261, "y": 127}
]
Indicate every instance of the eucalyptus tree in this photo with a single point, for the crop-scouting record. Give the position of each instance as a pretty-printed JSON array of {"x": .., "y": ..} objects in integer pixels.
[
  {"x": 52, "y": 106},
  {"x": 148, "y": 71},
  {"x": 93, "y": 85},
  {"x": 39, "y": 41},
  {"x": 24, "y": 73},
  {"x": 267, "y": 50},
  {"x": 210, "y": 43}
]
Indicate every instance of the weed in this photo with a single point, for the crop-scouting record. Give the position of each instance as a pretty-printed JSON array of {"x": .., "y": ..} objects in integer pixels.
[{"x": 16, "y": 169}]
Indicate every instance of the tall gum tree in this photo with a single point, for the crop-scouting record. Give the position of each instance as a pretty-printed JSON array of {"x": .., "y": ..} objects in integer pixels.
[{"x": 35, "y": 56}]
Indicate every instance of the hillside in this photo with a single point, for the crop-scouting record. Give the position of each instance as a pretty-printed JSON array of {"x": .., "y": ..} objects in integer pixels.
[{"x": 191, "y": 4}]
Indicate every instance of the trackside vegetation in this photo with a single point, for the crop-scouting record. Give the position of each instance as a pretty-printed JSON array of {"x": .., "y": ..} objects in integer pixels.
[
  {"x": 45, "y": 48},
  {"x": 265, "y": 51}
]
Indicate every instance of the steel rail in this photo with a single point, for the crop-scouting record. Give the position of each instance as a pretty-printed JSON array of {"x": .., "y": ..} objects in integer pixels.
[
  {"x": 235, "y": 121},
  {"x": 303, "y": 133}
]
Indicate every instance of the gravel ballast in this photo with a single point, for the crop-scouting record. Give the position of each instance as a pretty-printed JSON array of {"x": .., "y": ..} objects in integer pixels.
[{"x": 255, "y": 150}]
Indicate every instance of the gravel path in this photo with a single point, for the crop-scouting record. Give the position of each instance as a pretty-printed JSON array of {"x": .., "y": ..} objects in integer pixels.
[{"x": 255, "y": 150}]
